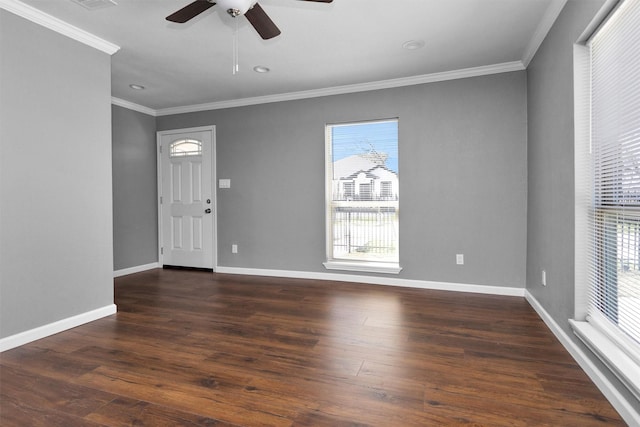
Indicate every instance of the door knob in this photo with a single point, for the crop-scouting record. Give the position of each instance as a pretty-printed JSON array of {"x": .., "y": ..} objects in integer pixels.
[{"x": 207, "y": 211}]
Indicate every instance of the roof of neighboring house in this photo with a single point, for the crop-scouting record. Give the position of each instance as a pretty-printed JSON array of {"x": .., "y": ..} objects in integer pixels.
[{"x": 351, "y": 166}]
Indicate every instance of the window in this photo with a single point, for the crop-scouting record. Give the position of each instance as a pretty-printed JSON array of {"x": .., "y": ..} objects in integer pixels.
[
  {"x": 348, "y": 190},
  {"x": 362, "y": 196},
  {"x": 185, "y": 147},
  {"x": 608, "y": 194},
  {"x": 365, "y": 191},
  {"x": 386, "y": 190}
]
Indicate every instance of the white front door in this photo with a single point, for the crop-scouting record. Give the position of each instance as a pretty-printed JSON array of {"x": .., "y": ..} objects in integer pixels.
[{"x": 187, "y": 197}]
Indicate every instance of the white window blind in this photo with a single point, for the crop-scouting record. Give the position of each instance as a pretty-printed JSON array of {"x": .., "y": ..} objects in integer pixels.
[{"x": 614, "y": 214}]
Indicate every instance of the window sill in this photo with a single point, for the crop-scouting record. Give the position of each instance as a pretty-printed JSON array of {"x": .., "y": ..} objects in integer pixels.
[
  {"x": 365, "y": 267},
  {"x": 612, "y": 355}
]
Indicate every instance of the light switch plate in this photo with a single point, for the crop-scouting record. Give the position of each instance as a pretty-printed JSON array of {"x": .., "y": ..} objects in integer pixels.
[{"x": 224, "y": 183}]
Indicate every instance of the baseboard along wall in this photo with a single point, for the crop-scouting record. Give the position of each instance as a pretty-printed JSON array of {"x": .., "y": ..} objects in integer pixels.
[
  {"x": 136, "y": 269},
  {"x": 31, "y": 335},
  {"x": 376, "y": 280}
]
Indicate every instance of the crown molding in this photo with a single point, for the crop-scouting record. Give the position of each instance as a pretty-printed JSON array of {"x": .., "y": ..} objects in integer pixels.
[
  {"x": 549, "y": 18},
  {"x": 339, "y": 90},
  {"x": 34, "y": 15},
  {"x": 133, "y": 106},
  {"x": 38, "y": 17}
]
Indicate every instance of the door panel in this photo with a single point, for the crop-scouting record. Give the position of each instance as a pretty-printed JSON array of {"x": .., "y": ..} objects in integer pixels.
[{"x": 186, "y": 185}]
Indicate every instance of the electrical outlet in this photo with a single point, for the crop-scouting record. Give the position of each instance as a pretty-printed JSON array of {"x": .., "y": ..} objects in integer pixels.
[
  {"x": 544, "y": 278},
  {"x": 234, "y": 249},
  {"x": 460, "y": 259}
]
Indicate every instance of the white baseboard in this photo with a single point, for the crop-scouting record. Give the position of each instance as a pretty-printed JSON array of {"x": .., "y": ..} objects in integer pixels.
[
  {"x": 627, "y": 410},
  {"x": 136, "y": 269},
  {"x": 375, "y": 280},
  {"x": 26, "y": 337}
]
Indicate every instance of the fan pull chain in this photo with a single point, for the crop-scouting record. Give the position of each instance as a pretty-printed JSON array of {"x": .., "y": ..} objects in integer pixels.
[{"x": 236, "y": 66}]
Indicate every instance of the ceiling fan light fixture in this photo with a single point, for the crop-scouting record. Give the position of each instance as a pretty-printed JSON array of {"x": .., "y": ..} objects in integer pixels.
[
  {"x": 261, "y": 69},
  {"x": 413, "y": 44},
  {"x": 251, "y": 9},
  {"x": 236, "y": 7}
]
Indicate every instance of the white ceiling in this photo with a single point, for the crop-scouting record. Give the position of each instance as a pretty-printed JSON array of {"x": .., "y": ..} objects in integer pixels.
[{"x": 347, "y": 45}]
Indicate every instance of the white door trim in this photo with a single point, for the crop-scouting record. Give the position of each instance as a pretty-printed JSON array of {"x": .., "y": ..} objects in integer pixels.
[{"x": 159, "y": 136}]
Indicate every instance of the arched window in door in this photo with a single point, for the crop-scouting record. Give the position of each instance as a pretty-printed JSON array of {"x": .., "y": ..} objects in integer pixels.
[{"x": 185, "y": 147}]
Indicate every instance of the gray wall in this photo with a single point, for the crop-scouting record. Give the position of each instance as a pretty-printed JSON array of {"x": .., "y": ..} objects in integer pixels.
[
  {"x": 462, "y": 173},
  {"x": 135, "y": 189},
  {"x": 551, "y": 167},
  {"x": 56, "y": 256}
]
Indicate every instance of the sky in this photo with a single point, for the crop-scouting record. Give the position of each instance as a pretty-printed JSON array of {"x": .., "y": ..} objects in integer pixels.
[{"x": 381, "y": 136}]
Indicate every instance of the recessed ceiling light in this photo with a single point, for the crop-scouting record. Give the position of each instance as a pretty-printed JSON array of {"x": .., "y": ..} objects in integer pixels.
[
  {"x": 413, "y": 44},
  {"x": 136, "y": 87},
  {"x": 261, "y": 69}
]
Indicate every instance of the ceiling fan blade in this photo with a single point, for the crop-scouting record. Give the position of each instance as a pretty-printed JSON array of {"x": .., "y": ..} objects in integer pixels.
[
  {"x": 190, "y": 11},
  {"x": 261, "y": 22}
]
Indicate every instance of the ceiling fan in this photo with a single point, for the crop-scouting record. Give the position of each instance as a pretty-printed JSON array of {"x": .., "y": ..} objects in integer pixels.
[{"x": 249, "y": 8}]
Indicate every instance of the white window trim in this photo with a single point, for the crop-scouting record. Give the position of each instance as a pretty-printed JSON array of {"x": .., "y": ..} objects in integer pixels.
[
  {"x": 348, "y": 265},
  {"x": 366, "y": 267},
  {"x": 621, "y": 358}
]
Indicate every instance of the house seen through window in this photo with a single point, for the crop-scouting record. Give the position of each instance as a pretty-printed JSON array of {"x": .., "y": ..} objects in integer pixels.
[{"x": 363, "y": 192}]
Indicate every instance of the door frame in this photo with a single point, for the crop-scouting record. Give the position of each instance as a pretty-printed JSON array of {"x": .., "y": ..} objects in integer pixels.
[{"x": 214, "y": 198}]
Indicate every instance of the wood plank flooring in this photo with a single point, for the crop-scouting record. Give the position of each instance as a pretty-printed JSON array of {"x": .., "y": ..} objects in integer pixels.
[{"x": 200, "y": 349}]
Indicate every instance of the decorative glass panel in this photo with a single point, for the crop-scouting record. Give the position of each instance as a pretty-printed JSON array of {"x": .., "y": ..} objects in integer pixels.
[{"x": 185, "y": 147}]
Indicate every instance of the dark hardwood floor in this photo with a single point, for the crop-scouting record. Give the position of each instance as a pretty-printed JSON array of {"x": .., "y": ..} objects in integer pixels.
[{"x": 193, "y": 348}]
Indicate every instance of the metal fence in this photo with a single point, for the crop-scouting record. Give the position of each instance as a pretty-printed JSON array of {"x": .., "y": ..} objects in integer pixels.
[
  {"x": 627, "y": 296},
  {"x": 629, "y": 246},
  {"x": 361, "y": 231}
]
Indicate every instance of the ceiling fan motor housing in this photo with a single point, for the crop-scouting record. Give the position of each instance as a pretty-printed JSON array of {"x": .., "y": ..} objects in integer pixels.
[{"x": 236, "y": 7}]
